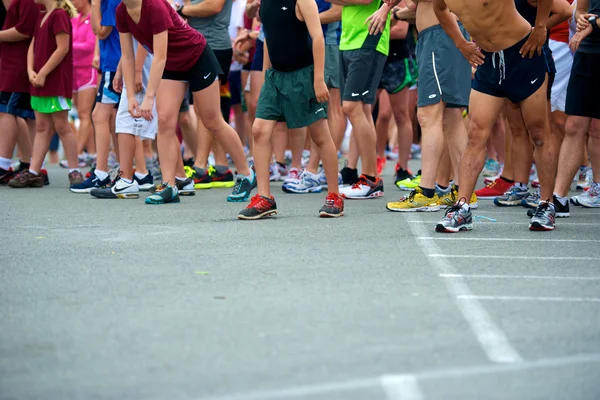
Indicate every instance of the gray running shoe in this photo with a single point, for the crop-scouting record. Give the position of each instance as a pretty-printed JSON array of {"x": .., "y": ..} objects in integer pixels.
[
  {"x": 456, "y": 219},
  {"x": 513, "y": 197},
  {"x": 531, "y": 201},
  {"x": 544, "y": 217}
]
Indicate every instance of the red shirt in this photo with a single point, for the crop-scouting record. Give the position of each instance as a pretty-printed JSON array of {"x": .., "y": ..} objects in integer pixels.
[
  {"x": 185, "y": 45},
  {"x": 22, "y": 15},
  {"x": 60, "y": 81},
  {"x": 560, "y": 32}
]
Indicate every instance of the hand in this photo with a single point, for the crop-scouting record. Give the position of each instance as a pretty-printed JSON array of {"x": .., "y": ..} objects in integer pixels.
[
  {"x": 378, "y": 20},
  {"x": 146, "y": 108},
  {"x": 534, "y": 43},
  {"x": 253, "y": 7},
  {"x": 32, "y": 76},
  {"x": 321, "y": 91},
  {"x": 96, "y": 61},
  {"x": 578, "y": 38},
  {"x": 138, "y": 81},
  {"x": 133, "y": 107},
  {"x": 241, "y": 57},
  {"x": 472, "y": 53},
  {"x": 39, "y": 81},
  {"x": 582, "y": 21},
  {"x": 241, "y": 38},
  {"x": 118, "y": 82}
]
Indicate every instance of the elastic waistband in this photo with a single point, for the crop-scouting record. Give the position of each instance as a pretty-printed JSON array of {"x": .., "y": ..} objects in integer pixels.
[
  {"x": 515, "y": 48},
  {"x": 437, "y": 27}
]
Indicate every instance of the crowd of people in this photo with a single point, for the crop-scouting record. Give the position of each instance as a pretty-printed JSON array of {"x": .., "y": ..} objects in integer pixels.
[{"x": 145, "y": 91}]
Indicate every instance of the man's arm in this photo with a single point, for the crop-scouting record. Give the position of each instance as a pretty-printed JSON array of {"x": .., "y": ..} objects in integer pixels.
[
  {"x": 334, "y": 14},
  {"x": 12, "y": 35},
  {"x": 100, "y": 31},
  {"x": 206, "y": 9},
  {"x": 539, "y": 33},
  {"x": 404, "y": 14},
  {"x": 582, "y": 8},
  {"x": 310, "y": 13},
  {"x": 561, "y": 11},
  {"x": 350, "y": 2}
]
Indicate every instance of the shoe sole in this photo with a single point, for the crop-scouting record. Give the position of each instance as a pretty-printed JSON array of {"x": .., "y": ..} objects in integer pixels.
[
  {"x": 371, "y": 196},
  {"x": 442, "y": 229},
  {"x": 266, "y": 214},
  {"x": 82, "y": 190},
  {"x": 509, "y": 203},
  {"x": 420, "y": 209},
  {"x": 187, "y": 193},
  {"x": 324, "y": 214},
  {"x": 307, "y": 191},
  {"x": 202, "y": 185},
  {"x": 408, "y": 188},
  {"x": 539, "y": 228},
  {"x": 228, "y": 184},
  {"x": 177, "y": 200}
]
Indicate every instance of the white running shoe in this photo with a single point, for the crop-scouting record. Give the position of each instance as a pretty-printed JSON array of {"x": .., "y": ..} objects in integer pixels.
[
  {"x": 119, "y": 190},
  {"x": 293, "y": 176},
  {"x": 590, "y": 198},
  {"x": 274, "y": 174},
  {"x": 363, "y": 189}
]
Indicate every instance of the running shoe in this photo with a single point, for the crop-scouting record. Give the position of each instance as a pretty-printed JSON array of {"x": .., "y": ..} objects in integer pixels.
[
  {"x": 221, "y": 180},
  {"x": 93, "y": 182},
  {"x": 323, "y": 180},
  {"x": 532, "y": 200},
  {"x": 26, "y": 179},
  {"x": 402, "y": 177},
  {"x": 543, "y": 218},
  {"x": 6, "y": 175},
  {"x": 308, "y": 183},
  {"x": 392, "y": 155},
  {"x": 274, "y": 174},
  {"x": 202, "y": 177},
  {"x": 449, "y": 199},
  {"x": 333, "y": 207},
  {"x": 590, "y": 198},
  {"x": 493, "y": 190},
  {"x": 415, "y": 201},
  {"x": 242, "y": 188},
  {"x": 118, "y": 190},
  {"x": 560, "y": 211},
  {"x": 582, "y": 178},
  {"x": 163, "y": 194},
  {"x": 81, "y": 162},
  {"x": 415, "y": 152},
  {"x": 44, "y": 175},
  {"x": 513, "y": 197},
  {"x": 456, "y": 219},
  {"x": 283, "y": 170},
  {"x": 491, "y": 168},
  {"x": 381, "y": 161},
  {"x": 75, "y": 178},
  {"x": 145, "y": 183},
  {"x": 293, "y": 176},
  {"x": 259, "y": 207},
  {"x": 184, "y": 188},
  {"x": 363, "y": 189},
  {"x": 411, "y": 184},
  {"x": 349, "y": 176},
  {"x": 189, "y": 162}
]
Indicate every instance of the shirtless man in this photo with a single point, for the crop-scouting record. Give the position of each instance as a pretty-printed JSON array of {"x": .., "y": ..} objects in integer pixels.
[{"x": 511, "y": 66}]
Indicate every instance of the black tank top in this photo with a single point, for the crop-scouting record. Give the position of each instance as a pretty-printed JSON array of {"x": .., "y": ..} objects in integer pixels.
[{"x": 288, "y": 41}]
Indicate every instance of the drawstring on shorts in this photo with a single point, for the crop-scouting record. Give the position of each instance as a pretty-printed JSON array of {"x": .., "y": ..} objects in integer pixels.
[{"x": 502, "y": 66}]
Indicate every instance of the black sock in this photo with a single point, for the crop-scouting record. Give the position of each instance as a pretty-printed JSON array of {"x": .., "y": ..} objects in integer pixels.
[
  {"x": 371, "y": 178},
  {"x": 507, "y": 180},
  {"x": 442, "y": 187},
  {"x": 429, "y": 193},
  {"x": 456, "y": 187}
]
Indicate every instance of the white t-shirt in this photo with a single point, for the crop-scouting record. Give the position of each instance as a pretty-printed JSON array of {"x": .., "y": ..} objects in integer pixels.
[{"x": 238, "y": 8}]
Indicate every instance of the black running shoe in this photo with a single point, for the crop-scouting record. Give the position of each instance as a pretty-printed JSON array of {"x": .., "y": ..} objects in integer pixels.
[
  {"x": 402, "y": 175},
  {"x": 6, "y": 175},
  {"x": 259, "y": 207},
  {"x": 561, "y": 211}
]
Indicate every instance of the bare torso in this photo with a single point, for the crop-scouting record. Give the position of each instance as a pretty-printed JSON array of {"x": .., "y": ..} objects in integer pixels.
[
  {"x": 425, "y": 15},
  {"x": 493, "y": 24}
]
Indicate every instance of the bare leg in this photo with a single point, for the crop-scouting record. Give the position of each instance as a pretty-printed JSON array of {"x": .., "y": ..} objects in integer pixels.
[
  {"x": 127, "y": 150},
  {"x": 24, "y": 139},
  {"x": 263, "y": 151},
  {"x": 400, "y": 108},
  {"x": 571, "y": 152},
  {"x": 456, "y": 138},
  {"x": 336, "y": 118},
  {"x": 101, "y": 117},
  {"x": 364, "y": 134},
  {"x": 44, "y": 129},
  {"x": 140, "y": 160},
  {"x": 319, "y": 132},
  {"x": 521, "y": 147},
  {"x": 444, "y": 168},
  {"x": 432, "y": 143},
  {"x": 298, "y": 138},
  {"x": 85, "y": 104}
]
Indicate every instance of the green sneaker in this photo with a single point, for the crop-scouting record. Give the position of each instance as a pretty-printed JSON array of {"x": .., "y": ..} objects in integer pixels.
[
  {"x": 408, "y": 183},
  {"x": 164, "y": 194}
]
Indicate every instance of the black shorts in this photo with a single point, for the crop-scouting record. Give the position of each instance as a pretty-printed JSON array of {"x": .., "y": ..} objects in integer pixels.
[
  {"x": 360, "y": 74},
  {"x": 106, "y": 92},
  {"x": 224, "y": 58},
  {"x": 398, "y": 74},
  {"x": 584, "y": 86},
  {"x": 507, "y": 74},
  {"x": 17, "y": 104},
  {"x": 257, "y": 61},
  {"x": 201, "y": 75}
]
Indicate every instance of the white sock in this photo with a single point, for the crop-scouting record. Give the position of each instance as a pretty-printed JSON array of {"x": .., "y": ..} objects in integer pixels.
[
  {"x": 521, "y": 186},
  {"x": 102, "y": 175},
  {"x": 466, "y": 207},
  {"x": 33, "y": 172},
  {"x": 73, "y": 170},
  {"x": 561, "y": 200},
  {"x": 5, "y": 163},
  {"x": 180, "y": 179},
  {"x": 127, "y": 181},
  {"x": 141, "y": 176}
]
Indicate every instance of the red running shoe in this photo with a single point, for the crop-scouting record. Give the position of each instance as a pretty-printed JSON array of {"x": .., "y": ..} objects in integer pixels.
[
  {"x": 334, "y": 206},
  {"x": 380, "y": 165},
  {"x": 259, "y": 207},
  {"x": 494, "y": 189}
]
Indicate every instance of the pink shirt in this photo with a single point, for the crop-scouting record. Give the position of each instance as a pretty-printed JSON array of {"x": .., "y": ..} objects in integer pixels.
[{"x": 84, "y": 41}]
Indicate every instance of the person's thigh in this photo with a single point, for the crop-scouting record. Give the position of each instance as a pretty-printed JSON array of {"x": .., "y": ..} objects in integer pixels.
[
  {"x": 484, "y": 111},
  {"x": 169, "y": 96},
  {"x": 535, "y": 112}
]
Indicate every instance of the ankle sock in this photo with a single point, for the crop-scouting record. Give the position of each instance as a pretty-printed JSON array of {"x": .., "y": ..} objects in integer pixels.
[
  {"x": 200, "y": 171},
  {"x": 141, "y": 176},
  {"x": 180, "y": 179},
  {"x": 24, "y": 165},
  {"x": 127, "y": 181},
  {"x": 102, "y": 175},
  {"x": 507, "y": 180},
  {"x": 5, "y": 163},
  {"x": 34, "y": 172},
  {"x": 221, "y": 169},
  {"x": 562, "y": 200},
  {"x": 429, "y": 193},
  {"x": 371, "y": 178},
  {"x": 73, "y": 170},
  {"x": 521, "y": 186},
  {"x": 442, "y": 189}
]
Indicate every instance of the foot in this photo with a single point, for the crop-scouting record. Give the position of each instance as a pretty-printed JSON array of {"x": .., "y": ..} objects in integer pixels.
[
  {"x": 364, "y": 189},
  {"x": 118, "y": 190},
  {"x": 544, "y": 217},
  {"x": 415, "y": 201},
  {"x": 164, "y": 194},
  {"x": 221, "y": 179},
  {"x": 259, "y": 207},
  {"x": 410, "y": 184},
  {"x": 323, "y": 180},
  {"x": 491, "y": 168},
  {"x": 185, "y": 187},
  {"x": 493, "y": 189},
  {"x": 274, "y": 174},
  {"x": 26, "y": 179},
  {"x": 308, "y": 183},
  {"x": 293, "y": 176},
  {"x": 513, "y": 197},
  {"x": 6, "y": 175},
  {"x": 450, "y": 198},
  {"x": 75, "y": 178},
  {"x": 93, "y": 182},
  {"x": 458, "y": 218},
  {"x": 145, "y": 183},
  {"x": 201, "y": 177},
  {"x": 590, "y": 198},
  {"x": 334, "y": 206},
  {"x": 349, "y": 176},
  {"x": 381, "y": 161},
  {"x": 532, "y": 200},
  {"x": 242, "y": 188},
  {"x": 402, "y": 176}
]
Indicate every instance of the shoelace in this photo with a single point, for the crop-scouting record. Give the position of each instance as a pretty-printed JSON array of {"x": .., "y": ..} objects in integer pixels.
[
  {"x": 542, "y": 208},
  {"x": 161, "y": 187},
  {"x": 455, "y": 208},
  {"x": 238, "y": 184},
  {"x": 361, "y": 181}
]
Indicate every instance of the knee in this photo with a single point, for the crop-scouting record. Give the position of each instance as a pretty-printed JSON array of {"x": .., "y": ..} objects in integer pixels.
[
  {"x": 426, "y": 118},
  {"x": 214, "y": 122},
  {"x": 352, "y": 108},
  {"x": 260, "y": 133},
  {"x": 62, "y": 127},
  {"x": 185, "y": 119},
  {"x": 166, "y": 125},
  {"x": 576, "y": 127},
  {"x": 595, "y": 131},
  {"x": 384, "y": 118},
  {"x": 43, "y": 127},
  {"x": 478, "y": 134}
]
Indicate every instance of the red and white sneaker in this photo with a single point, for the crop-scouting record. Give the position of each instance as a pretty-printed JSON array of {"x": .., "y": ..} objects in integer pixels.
[
  {"x": 381, "y": 161},
  {"x": 363, "y": 189},
  {"x": 495, "y": 189},
  {"x": 293, "y": 176}
]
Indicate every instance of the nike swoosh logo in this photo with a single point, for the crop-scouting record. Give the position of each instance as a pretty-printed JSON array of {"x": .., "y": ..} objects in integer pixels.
[
  {"x": 207, "y": 75},
  {"x": 534, "y": 81},
  {"x": 120, "y": 190},
  {"x": 319, "y": 110},
  {"x": 354, "y": 94}
]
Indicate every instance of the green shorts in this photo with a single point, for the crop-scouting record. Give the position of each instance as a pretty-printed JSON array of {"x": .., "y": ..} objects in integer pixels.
[
  {"x": 290, "y": 97},
  {"x": 50, "y": 105}
]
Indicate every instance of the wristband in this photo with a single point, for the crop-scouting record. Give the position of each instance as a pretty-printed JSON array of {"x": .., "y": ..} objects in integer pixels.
[
  {"x": 394, "y": 14},
  {"x": 594, "y": 22},
  {"x": 180, "y": 11}
]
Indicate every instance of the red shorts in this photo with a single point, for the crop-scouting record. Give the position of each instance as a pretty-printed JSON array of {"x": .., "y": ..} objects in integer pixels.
[{"x": 84, "y": 78}]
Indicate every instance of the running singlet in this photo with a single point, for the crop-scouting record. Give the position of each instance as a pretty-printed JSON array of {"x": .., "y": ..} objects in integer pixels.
[
  {"x": 355, "y": 32},
  {"x": 289, "y": 44},
  {"x": 591, "y": 44},
  {"x": 214, "y": 28},
  {"x": 560, "y": 32},
  {"x": 398, "y": 50},
  {"x": 333, "y": 31}
]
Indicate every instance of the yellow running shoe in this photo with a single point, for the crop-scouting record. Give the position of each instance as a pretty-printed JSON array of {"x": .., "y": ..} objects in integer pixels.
[
  {"x": 410, "y": 184},
  {"x": 415, "y": 201},
  {"x": 449, "y": 199},
  {"x": 473, "y": 201}
]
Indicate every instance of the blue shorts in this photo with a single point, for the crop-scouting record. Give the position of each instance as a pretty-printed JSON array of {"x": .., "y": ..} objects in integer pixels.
[
  {"x": 257, "y": 61},
  {"x": 17, "y": 104},
  {"x": 507, "y": 74},
  {"x": 235, "y": 87},
  {"x": 106, "y": 92}
]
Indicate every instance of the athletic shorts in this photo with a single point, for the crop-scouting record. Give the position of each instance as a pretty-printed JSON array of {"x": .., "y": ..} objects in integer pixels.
[
  {"x": 50, "y": 104},
  {"x": 235, "y": 87},
  {"x": 563, "y": 59},
  {"x": 106, "y": 92},
  {"x": 332, "y": 66},
  {"x": 507, "y": 74},
  {"x": 584, "y": 86},
  {"x": 125, "y": 123},
  {"x": 444, "y": 73},
  {"x": 257, "y": 61},
  {"x": 84, "y": 78},
  {"x": 17, "y": 104},
  {"x": 360, "y": 74},
  {"x": 201, "y": 75},
  {"x": 398, "y": 75},
  {"x": 290, "y": 97},
  {"x": 224, "y": 58}
]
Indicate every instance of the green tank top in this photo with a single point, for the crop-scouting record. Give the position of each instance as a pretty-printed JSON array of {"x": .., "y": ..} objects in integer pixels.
[{"x": 355, "y": 33}]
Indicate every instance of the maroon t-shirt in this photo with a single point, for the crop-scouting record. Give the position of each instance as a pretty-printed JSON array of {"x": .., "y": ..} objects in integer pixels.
[
  {"x": 60, "y": 81},
  {"x": 22, "y": 15},
  {"x": 185, "y": 44}
]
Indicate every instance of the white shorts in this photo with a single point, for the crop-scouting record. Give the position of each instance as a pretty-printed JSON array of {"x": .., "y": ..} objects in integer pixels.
[
  {"x": 563, "y": 58},
  {"x": 125, "y": 123},
  {"x": 247, "y": 87}
]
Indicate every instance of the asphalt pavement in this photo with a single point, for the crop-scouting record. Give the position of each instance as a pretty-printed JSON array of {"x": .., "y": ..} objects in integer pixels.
[{"x": 115, "y": 299}]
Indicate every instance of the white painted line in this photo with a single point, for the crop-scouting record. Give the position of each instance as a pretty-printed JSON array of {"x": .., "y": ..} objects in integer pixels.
[
  {"x": 484, "y": 276},
  {"x": 525, "y": 222},
  {"x": 488, "y": 239},
  {"x": 401, "y": 387},
  {"x": 511, "y": 257},
  {"x": 492, "y": 339},
  {"x": 527, "y": 298}
]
